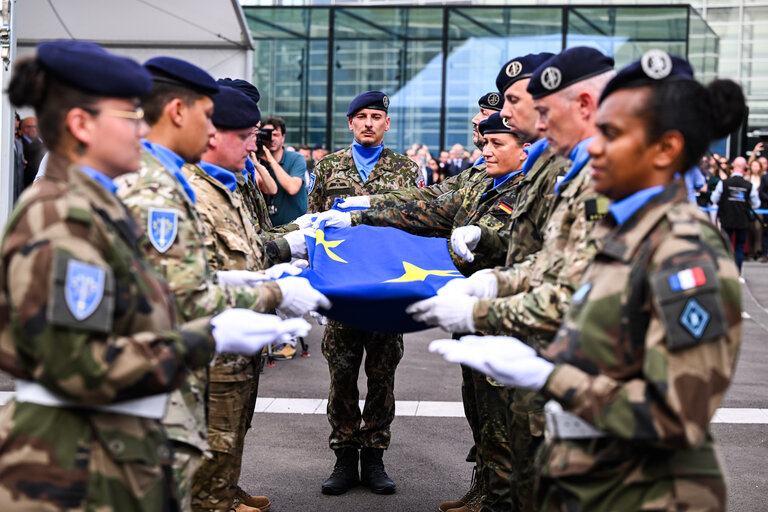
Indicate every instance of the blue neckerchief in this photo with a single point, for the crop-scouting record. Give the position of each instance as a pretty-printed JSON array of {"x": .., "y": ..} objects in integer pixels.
[
  {"x": 227, "y": 178},
  {"x": 172, "y": 162},
  {"x": 479, "y": 161},
  {"x": 365, "y": 158},
  {"x": 250, "y": 170},
  {"x": 622, "y": 210},
  {"x": 497, "y": 182},
  {"x": 534, "y": 151},
  {"x": 102, "y": 179},
  {"x": 579, "y": 156}
]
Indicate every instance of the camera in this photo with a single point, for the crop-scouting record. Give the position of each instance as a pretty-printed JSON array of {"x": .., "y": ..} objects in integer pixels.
[{"x": 263, "y": 138}]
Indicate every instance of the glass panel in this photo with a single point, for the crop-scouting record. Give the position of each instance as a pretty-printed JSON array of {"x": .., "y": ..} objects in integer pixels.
[
  {"x": 397, "y": 51},
  {"x": 480, "y": 42},
  {"x": 702, "y": 49}
]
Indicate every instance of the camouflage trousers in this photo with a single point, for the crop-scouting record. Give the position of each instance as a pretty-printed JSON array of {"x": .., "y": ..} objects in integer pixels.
[
  {"x": 230, "y": 411},
  {"x": 526, "y": 435},
  {"x": 186, "y": 461},
  {"x": 344, "y": 347}
]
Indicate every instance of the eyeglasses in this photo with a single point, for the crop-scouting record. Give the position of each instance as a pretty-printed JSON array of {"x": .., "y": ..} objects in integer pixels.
[{"x": 134, "y": 115}]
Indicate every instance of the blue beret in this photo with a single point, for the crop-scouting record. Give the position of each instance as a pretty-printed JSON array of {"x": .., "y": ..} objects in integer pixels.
[
  {"x": 494, "y": 124},
  {"x": 654, "y": 66},
  {"x": 91, "y": 68},
  {"x": 567, "y": 68},
  {"x": 491, "y": 101},
  {"x": 369, "y": 99},
  {"x": 243, "y": 86},
  {"x": 519, "y": 68},
  {"x": 180, "y": 72},
  {"x": 233, "y": 110}
]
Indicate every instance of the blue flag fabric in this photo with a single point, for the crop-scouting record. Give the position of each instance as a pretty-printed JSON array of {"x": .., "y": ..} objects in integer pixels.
[{"x": 371, "y": 274}]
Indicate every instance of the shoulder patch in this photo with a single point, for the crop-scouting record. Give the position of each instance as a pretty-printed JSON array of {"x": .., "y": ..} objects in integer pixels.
[
  {"x": 312, "y": 180},
  {"x": 595, "y": 209},
  {"x": 83, "y": 289},
  {"x": 420, "y": 182},
  {"x": 162, "y": 227},
  {"x": 83, "y": 294}
]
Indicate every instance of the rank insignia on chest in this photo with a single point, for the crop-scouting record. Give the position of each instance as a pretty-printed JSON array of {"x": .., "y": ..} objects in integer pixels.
[
  {"x": 595, "y": 209},
  {"x": 687, "y": 279},
  {"x": 312, "y": 180},
  {"x": 83, "y": 289},
  {"x": 339, "y": 184},
  {"x": 162, "y": 227}
]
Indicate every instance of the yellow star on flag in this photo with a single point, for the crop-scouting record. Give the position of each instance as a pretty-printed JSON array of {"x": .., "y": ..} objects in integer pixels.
[
  {"x": 328, "y": 245},
  {"x": 414, "y": 273}
]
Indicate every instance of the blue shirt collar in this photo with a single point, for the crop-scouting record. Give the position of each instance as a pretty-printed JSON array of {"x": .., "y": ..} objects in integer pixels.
[
  {"x": 250, "y": 170},
  {"x": 497, "y": 182},
  {"x": 226, "y": 177},
  {"x": 625, "y": 208},
  {"x": 579, "y": 157},
  {"x": 534, "y": 151},
  {"x": 172, "y": 162},
  {"x": 365, "y": 158},
  {"x": 102, "y": 179},
  {"x": 479, "y": 161}
]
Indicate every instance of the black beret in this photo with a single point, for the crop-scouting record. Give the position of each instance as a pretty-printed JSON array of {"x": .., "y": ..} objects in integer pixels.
[
  {"x": 318, "y": 146},
  {"x": 567, "y": 68},
  {"x": 519, "y": 68},
  {"x": 233, "y": 110},
  {"x": 491, "y": 101},
  {"x": 375, "y": 100},
  {"x": 653, "y": 67},
  {"x": 494, "y": 124},
  {"x": 243, "y": 86},
  {"x": 180, "y": 72},
  {"x": 91, "y": 68}
]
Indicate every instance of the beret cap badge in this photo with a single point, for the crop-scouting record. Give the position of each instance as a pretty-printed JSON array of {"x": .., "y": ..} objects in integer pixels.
[
  {"x": 385, "y": 101},
  {"x": 493, "y": 99},
  {"x": 513, "y": 69},
  {"x": 551, "y": 78},
  {"x": 656, "y": 64}
]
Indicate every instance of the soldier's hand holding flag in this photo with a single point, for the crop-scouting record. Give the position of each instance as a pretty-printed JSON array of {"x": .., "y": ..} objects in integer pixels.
[
  {"x": 246, "y": 332},
  {"x": 464, "y": 240},
  {"x": 482, "y": 284}
]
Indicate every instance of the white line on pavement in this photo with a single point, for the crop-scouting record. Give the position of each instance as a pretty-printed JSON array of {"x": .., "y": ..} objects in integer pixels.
[{"x": 431, "y": 409}]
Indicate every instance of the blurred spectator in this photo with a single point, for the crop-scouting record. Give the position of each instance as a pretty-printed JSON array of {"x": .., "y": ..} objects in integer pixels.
[
  {"x": 763, "y": 193},
  {"x": 33, "y": 147},
  {"x": 476, "y": 154},
  {"x": 754, "y": 235},
  {"x": 434, "y": 172},
  {"x": 459, "y": 160},
  {"x": 318, "y": 153},
  {"x": 288, "y": 168},
  {"x": 695, "y": 183},
  {"x": 304, "y": 151},
  {"x": 18, "y": 159}
]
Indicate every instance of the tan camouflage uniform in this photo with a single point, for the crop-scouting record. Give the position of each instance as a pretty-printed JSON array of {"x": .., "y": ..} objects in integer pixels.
[
  {"x": 254, "y": 203},
  {"x": 231, "y": 244},
  {"x": 60, "y": 458},
  {"x": 343, "y": 346},
  {"x": 627, "y": 364},
  {"x": 185, "y": 266}
]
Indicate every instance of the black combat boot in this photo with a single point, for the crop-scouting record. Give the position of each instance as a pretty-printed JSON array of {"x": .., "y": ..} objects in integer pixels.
[
  {"x": 372, "y": 473},
  {"x": 344, "y": 476}
]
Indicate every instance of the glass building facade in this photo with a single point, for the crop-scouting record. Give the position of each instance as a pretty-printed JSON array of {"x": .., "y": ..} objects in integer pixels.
[{"x": 435, "y": 61}]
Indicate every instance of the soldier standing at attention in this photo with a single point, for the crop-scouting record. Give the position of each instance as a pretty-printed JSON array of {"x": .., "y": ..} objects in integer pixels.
[
  {"x": 89, "y": 331},
  {"x": 160, "y": 198},
  {"x": 648, "y": 347},
  {"x": 365, "y": 167}
]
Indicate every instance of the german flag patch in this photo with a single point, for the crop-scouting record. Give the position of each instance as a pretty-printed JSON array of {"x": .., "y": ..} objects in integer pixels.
[{"x": 506, "y": 208}]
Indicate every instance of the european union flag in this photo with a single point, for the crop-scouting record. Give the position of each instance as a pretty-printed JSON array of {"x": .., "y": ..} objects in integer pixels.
[{"x": 372, "y": 274}]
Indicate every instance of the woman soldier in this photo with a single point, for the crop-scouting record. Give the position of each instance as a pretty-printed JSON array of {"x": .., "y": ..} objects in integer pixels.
[
  {"x": 85, "y": 328},
  {"x": 648, "y": 347}
]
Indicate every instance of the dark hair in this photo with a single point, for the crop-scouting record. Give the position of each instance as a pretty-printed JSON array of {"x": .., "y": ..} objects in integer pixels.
[
  {"x": 701, "y": 114},
  {"x": 275, "y": 121},
  {"x": 51, "y": 98},
  {"x": 162, "y": 93}
]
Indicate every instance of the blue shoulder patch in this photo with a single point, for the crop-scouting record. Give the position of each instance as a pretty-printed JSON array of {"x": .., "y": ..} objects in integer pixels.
[
  {"x": 694, "y": 318},
  {"x": 84, "y": 288},
  {"x": 162, "y": 226},
  {"x": 581, "y": 293},
  {"x": 312, "y": 179}
]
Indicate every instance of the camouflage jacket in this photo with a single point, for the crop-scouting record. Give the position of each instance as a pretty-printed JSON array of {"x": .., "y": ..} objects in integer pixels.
[
  {"x": 90, "y": 348},
  {"x": 646, "y": 356},
  {"x": 477, "y": 204},
  {"x": 183, "y": 262},
  {"x": 535, "y": 294},
  {"x": 336, "y": 176},
  {"x": 254, "y": 203},
  {"x": 415, "y": 193},
  {"x": 231, "y": 244}
]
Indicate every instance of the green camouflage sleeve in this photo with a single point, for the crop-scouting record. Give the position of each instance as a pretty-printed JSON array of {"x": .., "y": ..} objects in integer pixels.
[
  {"x": 429, "y": 193},
  {"x": 316, "y": 198},
  {"x": 425, "y": 218},
  {"x": 679, "y": 379}
]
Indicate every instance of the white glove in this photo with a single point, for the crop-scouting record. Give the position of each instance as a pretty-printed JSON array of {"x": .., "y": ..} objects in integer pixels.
[
  {"x": 482, "y": 285},
  {"x": 320, "y": 319},
  {"x": 333, "y": 218},
  {"x": 464, "y": 240},
  {"x": 293, "y": 268},
  {"x": 505, "y": 359},
  {"x": 299, "y": 297},
  {"x": 240, "y": 277},
  {"x": 451, "y": 312},
  {"x": 355, "y": 202},
  {"x": 305, "y": 221},
  {"x": 242, "y": 331},
  {"x": 297, "y": 243}
]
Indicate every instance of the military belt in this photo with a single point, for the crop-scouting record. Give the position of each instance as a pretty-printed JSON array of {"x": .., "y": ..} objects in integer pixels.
[
  {"x": 152, "y": 407},
  {"x": 566, "y": 425}
]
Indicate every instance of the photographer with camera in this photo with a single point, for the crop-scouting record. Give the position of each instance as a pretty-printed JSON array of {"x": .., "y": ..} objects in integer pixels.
[{"x": 288, "y": 169}]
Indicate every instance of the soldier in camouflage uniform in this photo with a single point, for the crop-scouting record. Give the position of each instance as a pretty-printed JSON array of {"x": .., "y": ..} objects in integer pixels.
[
  {"x": 365, "y": 167},
  {"x": 89, "y": 331},
  {"x": 648, "y": 347},
  {"x": 536, "y": 291}
]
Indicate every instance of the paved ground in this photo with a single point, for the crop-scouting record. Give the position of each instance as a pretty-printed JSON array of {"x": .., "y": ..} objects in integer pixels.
[{"x": 287, "y": 457}]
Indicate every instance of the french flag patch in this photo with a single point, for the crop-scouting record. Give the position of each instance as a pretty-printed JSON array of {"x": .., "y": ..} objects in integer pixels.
[{"x": 687, "y": 279}]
